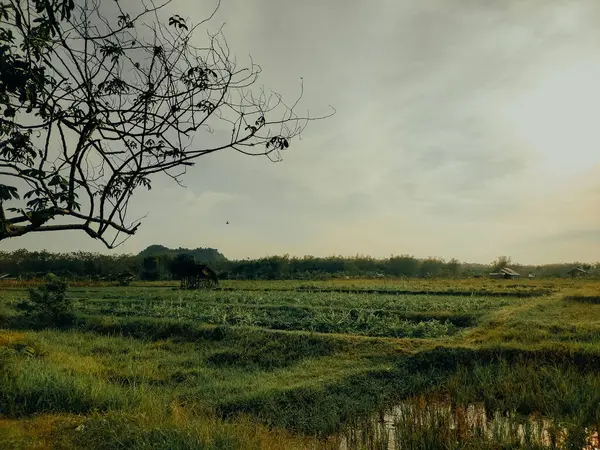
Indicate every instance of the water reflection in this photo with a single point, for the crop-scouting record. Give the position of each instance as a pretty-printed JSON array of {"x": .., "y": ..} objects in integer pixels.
[{"x": 418, "y": 423}]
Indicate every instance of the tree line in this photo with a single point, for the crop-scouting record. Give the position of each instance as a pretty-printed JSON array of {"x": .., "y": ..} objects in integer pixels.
[{"x": 155, "y": 266}]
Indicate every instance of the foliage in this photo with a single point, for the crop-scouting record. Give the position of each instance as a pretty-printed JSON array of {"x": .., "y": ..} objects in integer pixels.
[
  {"x": 49, "y": 303},
  {"x": 192, "y": 274},
  {"x": 97, "y": 98},
  {"x": 82, "y": 265},
  {"x": 501, "y": 262},
  {"x": 31, "y": 264},
  {"x": 404, "y": 265},
  {"x": 182, "y": 265},
  {"x": 150, "y": 268},
  {"x": 203, "y": 255}
]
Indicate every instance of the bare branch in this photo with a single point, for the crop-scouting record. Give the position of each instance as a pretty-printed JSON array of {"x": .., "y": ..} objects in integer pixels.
[{"x": 96, "y": 100}]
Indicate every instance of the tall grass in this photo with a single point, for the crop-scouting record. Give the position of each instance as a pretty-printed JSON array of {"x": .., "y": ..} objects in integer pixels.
[
  {"x": 166, "y": 426},
  {"x": 161, "y": 368},
  {"x": 31, "y": 386}
]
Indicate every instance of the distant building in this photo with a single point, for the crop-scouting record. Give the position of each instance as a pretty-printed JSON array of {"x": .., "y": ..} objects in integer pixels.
[
  {"x": 577, "y": 272},
  {"x": 505, "y": 273}
]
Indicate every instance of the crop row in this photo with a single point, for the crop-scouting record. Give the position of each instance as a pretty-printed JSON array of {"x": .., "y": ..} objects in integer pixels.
[
  {"x": 325, "y": 320},
  {"x": 405, "y": 303}
]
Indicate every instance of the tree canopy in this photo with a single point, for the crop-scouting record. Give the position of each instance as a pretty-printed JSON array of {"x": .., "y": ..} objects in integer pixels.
[
  {"x": 97, "y": 98},
  {"x": 204, "y": 255},
  {"x": 91, "y": 266},
  {"x": 192, "y": 274}
]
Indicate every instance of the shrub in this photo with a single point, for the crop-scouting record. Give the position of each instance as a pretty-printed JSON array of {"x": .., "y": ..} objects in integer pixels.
[{"x": 48, "y": 304}]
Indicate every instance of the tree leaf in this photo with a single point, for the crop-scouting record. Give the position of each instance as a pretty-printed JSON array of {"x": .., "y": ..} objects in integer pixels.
[{"x": 8, "y": 192}]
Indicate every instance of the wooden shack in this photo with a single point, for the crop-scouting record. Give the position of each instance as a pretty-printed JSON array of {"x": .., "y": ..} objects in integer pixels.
[
  {"x": 506, "y": 273},
  {"x": 577, "y": 272}
]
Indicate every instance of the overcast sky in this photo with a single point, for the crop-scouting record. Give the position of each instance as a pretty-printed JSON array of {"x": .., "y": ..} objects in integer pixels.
[{"x": 464, "y": 128}]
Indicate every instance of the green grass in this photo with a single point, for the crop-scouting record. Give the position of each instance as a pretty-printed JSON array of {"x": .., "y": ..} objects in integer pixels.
[
  {"x": 270, "y": 367},
  {"x": 424, "y": 316},
  {"x": 406, "y": 302},
  {"x": 31, "y": 386},
  {"x": 325, "y": 320}
]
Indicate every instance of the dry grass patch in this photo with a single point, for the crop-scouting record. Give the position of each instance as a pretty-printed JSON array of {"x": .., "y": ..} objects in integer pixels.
[{"x": 9, "y": 337}]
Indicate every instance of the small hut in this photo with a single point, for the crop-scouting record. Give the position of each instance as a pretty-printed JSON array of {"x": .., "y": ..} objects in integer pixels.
[
  {"x": 577, "y": 272},
  {"x": 505, "y": 273},
  {"x": 199, "y": 275}
]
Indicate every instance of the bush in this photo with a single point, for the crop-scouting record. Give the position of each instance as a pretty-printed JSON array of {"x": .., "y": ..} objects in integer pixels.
[{"x": 49, "y": 304}]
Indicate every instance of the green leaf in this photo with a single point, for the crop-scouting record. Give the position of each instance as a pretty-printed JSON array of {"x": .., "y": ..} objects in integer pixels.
[
  {"x": 57, "y": 180},
  {"x": 8, "y": 192}
]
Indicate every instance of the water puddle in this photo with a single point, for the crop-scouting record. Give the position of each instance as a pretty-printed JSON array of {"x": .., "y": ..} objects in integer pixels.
[{"x": 418, "y": 423}]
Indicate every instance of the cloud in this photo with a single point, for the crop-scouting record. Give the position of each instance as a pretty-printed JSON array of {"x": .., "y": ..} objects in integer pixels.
[{"x": 463, "y": 129}]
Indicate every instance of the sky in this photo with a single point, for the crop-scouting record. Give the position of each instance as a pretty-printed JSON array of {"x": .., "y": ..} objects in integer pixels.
[{"x": 464, "y": 129}]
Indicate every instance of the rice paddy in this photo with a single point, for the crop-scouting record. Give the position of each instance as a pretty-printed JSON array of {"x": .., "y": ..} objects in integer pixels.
[{"x": 352, "y": 364}]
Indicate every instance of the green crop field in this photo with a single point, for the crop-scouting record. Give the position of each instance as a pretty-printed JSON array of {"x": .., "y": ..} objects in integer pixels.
[{"x": 346, "y": 364}]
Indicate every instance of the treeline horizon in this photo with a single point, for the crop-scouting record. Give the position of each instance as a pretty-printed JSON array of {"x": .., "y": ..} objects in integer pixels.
[{"x": 153, "y": 264}]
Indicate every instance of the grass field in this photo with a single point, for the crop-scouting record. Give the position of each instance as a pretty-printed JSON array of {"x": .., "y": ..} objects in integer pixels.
[{"x": 346, "y": 364}]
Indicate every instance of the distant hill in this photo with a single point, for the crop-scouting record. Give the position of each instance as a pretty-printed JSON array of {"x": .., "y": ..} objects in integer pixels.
[{"x": 204, "y": 255}]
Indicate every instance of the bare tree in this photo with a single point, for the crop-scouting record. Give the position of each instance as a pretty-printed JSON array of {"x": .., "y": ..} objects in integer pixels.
[{"x": 95, "y": 100}]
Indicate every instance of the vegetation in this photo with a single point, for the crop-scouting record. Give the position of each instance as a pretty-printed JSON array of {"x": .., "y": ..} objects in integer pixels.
[
  {"x": 154, "y": 264},
  {"x": 263, "y": 365},
  {"x": 207, "y": 255},
  {"x": 48, "y": 304},
  {"x": 192, "y": 273}
]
